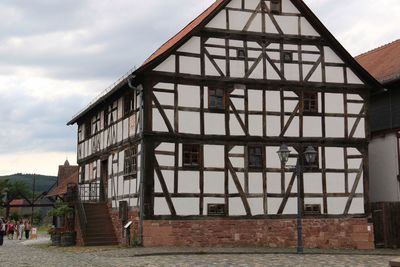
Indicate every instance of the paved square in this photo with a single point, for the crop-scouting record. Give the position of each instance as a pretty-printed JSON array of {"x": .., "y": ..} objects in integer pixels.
[{"x": 15, "y": 253}]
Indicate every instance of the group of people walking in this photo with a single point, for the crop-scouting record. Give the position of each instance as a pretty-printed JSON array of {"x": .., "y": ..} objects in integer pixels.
[{"x": 9, "y": 228}]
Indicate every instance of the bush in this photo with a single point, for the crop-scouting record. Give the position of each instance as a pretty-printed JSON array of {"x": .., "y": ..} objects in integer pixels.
[
  {"x": 61, "y": 209},
  {"x": 15, "y": 216}
]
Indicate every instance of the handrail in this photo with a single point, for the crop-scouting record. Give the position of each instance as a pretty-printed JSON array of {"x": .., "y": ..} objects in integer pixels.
[{"x": 82, "y": 214}]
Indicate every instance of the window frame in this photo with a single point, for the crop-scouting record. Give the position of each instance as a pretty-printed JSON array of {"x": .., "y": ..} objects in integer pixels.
[
  {"x": 278, "y": 10},
  {"x": 88, "y": 129},
  {"x": 309, "y": 98},
  {"x": 129, "y": 103},
  {"x": 213, "y": 93},
  {"x": 238, "y": 53},
  {"x": 191, "y": 165},
  {"x": 217, "y": 207},
  {"x": 312, "y": 209},
  {"x": 130, "y": 160},
  {"x": 250, "y": 165},
  {"x": 289, "y": 54}
]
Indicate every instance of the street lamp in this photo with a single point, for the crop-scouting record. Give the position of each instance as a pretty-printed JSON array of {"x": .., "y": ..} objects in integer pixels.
[{"x": 310, "y": 155}]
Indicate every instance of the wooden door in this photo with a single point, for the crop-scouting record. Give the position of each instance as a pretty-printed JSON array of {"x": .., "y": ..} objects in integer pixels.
[{"x": 104, "y": 181}]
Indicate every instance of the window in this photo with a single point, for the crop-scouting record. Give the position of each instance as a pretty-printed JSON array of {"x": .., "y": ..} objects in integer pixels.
[
  {"x": 255, "y": 157},
  {"x": 276, "y": 6},
  {"x": 130, "y": 163},
  {"x": 310, "y": 102},
  {"x": 216, "y": 99},
  {"x": 106, "y": 115},
  {"x": 312, "y": 209},
  {"x": 215, "y": 209},
  {"x": 96, "y": 124},
  {"x": 129, "y": 103},
  {"x": 88, "y": 129},
  {"x": 287, "y": 57},
  {"x": 191, "y": 156},
  {"x": 241, "y": 53}
]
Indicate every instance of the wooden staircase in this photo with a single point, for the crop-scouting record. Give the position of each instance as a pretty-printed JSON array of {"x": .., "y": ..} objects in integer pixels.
[{"x": 99, "y": 229}]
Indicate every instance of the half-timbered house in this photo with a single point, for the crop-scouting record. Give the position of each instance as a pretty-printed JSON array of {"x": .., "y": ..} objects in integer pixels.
[{"x": 191, "y": 136}]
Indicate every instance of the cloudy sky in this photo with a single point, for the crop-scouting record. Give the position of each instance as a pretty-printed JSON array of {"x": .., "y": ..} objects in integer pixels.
[{"x": 56, "y": 55}]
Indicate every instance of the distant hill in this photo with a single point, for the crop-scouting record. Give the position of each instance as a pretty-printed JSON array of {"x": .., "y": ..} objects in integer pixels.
[{"x": 42, "y": 183}]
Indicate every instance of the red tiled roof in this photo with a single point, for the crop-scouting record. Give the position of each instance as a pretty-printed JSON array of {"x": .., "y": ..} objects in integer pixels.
[
  {"x": 18, "y": 202},
  {"x": 61, "y": 188},
  {"x": 383, "y": 62},
  {"x": 185, "y": 31}
]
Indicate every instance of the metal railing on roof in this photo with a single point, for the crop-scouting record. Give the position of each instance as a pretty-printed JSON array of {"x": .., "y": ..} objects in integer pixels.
[{"x": 105, "y": 91}]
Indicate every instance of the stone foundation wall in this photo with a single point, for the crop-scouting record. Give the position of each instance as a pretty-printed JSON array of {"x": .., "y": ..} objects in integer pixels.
[
  {"x": 344, "y": 233},
  {"x": 133, "y": 215}
]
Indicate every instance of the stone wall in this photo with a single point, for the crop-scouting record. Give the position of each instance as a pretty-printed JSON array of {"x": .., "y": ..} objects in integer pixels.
[
  {"x": 133, "y": 215},
  {"x": 345, "y": 233}
]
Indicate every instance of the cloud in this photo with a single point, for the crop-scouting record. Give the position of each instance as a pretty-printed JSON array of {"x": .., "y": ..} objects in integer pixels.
[{"x": 56, "y": 56}]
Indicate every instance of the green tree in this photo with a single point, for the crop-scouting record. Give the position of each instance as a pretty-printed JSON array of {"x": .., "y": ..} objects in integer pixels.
[
  {"x": 4, "y": 184},
  {"x": 18, "y": 189}
]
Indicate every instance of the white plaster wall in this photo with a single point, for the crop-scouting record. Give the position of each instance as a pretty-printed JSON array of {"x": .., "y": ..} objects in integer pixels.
[
  {"x": 169, "y": 181},
  {"x": 164, "y": 98},
  {"x": 352, "y": 77},
  {"x": 312, "y": 126},
  {"x": 189, "y": 65},
  {"x": 334, "y": 127},
  {"x": 214, "y": 123},
  {"x": 161, "y": 206},
  {"x": 218, "y": 22},
  {"x": 272, "y": 157},
  {"x": 231, "y": 184},
  {"x": 334, "y": 158},
  {"x": 189, "y": 122},
  {"x": 292, "y": 72},
  {"x": 291, "y": 206},
  {"x": 186, "y": 206},
  {"x": 167, "y": 65},
  {"x": 273, "y": 100},
  {"x": 288, "y": 24},
  {"x": 288, "y": 7},
  {"x": 189, "y": 182},
  {"x": 383, "y": 162},
  {"x": 335, "y": 183},
  {"x": 334, "y": 74},
  {"x": 273, "y": 205},
  {"x": 307, "y": 29},
  {"x": 236, "y": 207},
  {"x": 238, "y": 19},
  {"x": 189, "y": 96},
  {"x": 214, "y": 182},
  {"x": 191, "y": 46},
  {"x": 255, "y": 183},
  {"x": 214, "y": 156},
  {"x": 312, "y": 183},
  {"x": 331, "y": 56},
  {"x": 274, "y": 183},
  {"x": 256, "y": 206}
]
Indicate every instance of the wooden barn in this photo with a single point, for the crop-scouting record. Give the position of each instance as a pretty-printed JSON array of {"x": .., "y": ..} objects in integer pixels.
[
  {"x": 186, "y": 145},
  {"x": 384, "y": 149}
]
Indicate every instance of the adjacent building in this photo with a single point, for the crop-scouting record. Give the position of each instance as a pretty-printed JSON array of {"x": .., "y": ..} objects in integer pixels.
[
  {"x": 384, "y": 64},
  {"x": 188, "y": 141}
]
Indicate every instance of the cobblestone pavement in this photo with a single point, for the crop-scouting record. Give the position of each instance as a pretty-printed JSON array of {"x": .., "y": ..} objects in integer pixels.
[{"x": 13, "y": 253}]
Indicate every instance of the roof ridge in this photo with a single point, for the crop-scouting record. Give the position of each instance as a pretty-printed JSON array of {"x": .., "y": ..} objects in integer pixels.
[{"x": 378, "y": 48}]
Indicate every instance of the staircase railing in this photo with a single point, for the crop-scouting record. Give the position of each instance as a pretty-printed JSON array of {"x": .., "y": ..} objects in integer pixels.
[{"x": 81, "y": 212}]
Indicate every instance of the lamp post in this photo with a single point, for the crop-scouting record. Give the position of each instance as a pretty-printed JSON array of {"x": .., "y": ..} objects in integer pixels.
[{"x": 310, "y": 156}]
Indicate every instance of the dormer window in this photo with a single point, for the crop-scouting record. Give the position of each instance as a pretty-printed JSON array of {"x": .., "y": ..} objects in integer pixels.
[{"x": 276, "y": 6}]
